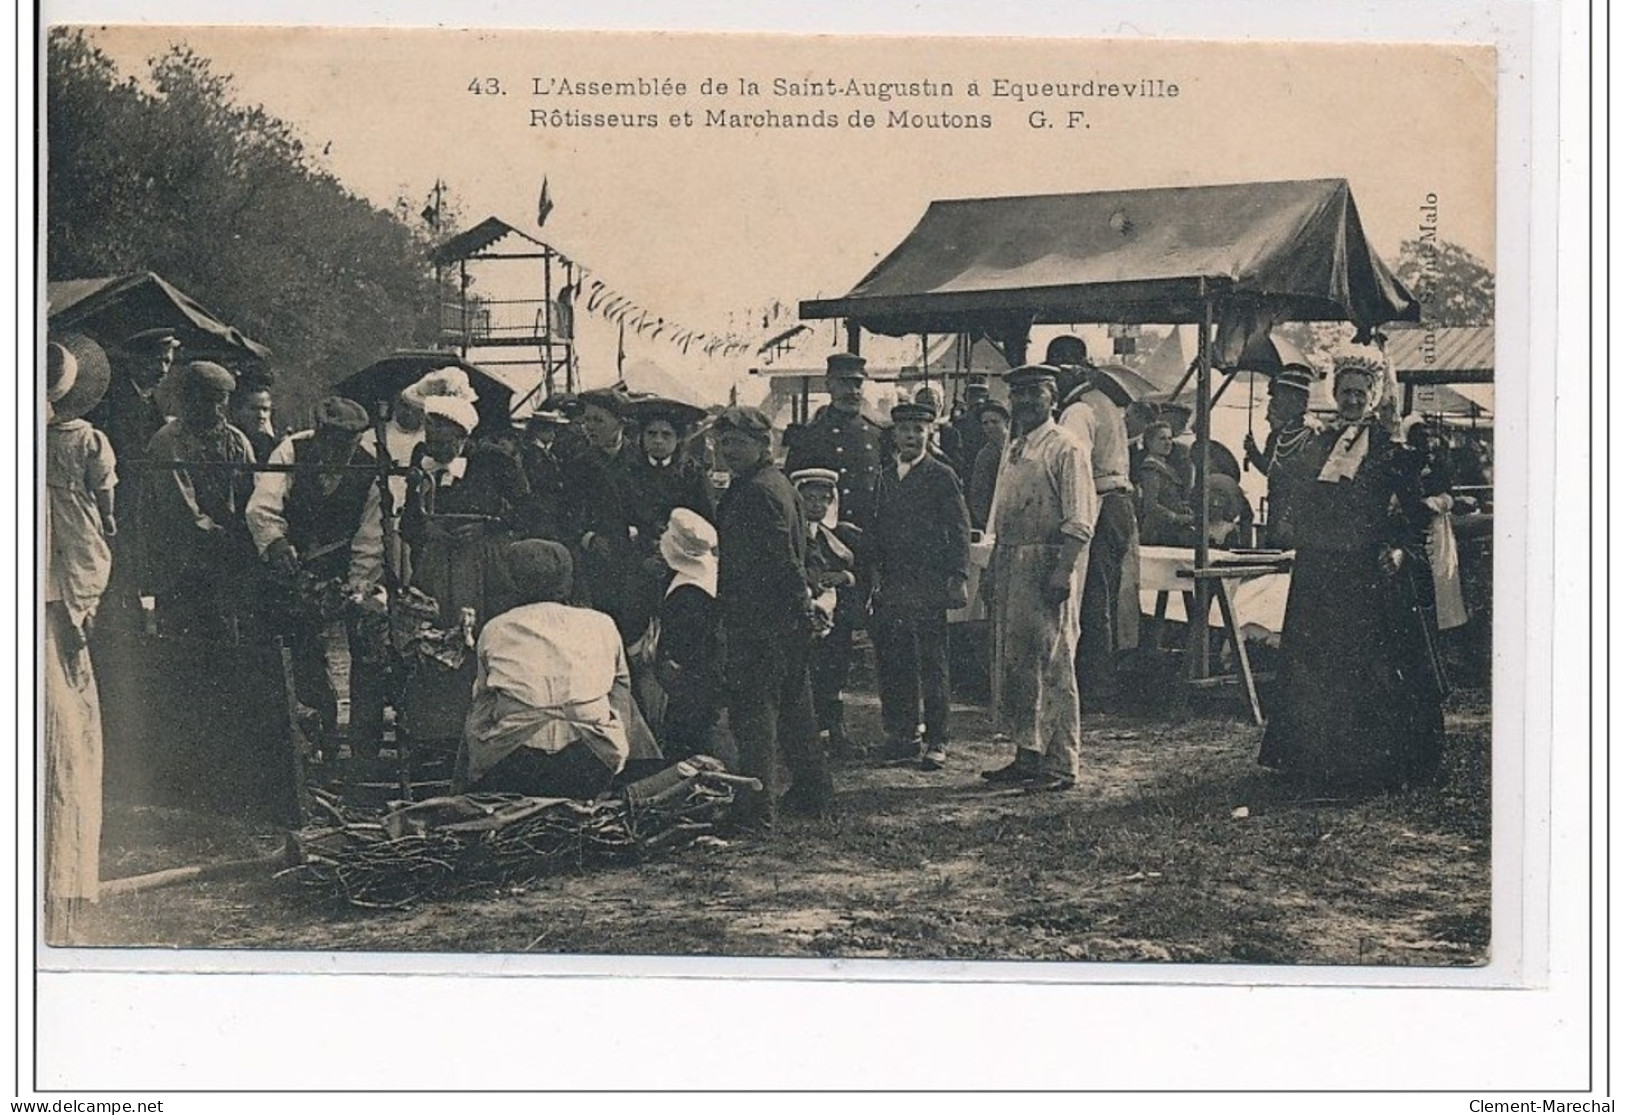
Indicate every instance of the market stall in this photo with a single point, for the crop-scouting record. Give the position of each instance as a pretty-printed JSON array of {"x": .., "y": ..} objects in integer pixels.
[{"x": 1232, "y": 259}]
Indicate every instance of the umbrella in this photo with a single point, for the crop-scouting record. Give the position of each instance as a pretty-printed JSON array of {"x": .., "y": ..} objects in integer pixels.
[
  {"x": 1122, "y": 385},
  {"x": 384, "y": 379},
  {"x": 1267, "y": 355}
]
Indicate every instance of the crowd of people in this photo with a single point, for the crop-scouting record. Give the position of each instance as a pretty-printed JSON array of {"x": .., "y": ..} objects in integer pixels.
[{"x": 624, "y": 607}]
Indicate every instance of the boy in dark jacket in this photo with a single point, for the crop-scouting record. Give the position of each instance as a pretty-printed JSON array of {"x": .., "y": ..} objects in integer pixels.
[{"x": 920, "y": 542}]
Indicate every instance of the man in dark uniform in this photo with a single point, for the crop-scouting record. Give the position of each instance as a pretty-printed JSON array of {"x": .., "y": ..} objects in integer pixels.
[
  {"x": 921, "y": 558},
  {"x": 843, "y": 439},
  {"x": 543, "y": 513},
  {"x": 1290, "y": 431},
  {"x": 766, "y": 610},
  {"x": 968, "y": 435},
  {"x": 129, "y": 413},
  {"x": 600, "y": 496}
]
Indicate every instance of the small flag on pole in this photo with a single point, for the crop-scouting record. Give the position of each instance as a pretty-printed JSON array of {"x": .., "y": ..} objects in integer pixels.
[{"x": 544, "y": 204}]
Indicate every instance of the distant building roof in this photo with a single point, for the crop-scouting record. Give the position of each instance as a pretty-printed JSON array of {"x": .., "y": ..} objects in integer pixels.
[{"x": 1443, "y": 354}]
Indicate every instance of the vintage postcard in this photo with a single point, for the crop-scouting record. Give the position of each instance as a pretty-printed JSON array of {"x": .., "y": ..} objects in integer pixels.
[
  {"x": 644, "y": 499},
  {"x": 260, "y": 241}
]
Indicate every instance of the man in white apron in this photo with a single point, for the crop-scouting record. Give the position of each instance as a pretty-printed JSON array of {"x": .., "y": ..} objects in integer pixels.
[{"x": 1043, "y": 516}]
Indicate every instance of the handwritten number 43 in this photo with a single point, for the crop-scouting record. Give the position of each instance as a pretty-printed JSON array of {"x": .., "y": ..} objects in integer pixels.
[{"x": 485, "y": 85}]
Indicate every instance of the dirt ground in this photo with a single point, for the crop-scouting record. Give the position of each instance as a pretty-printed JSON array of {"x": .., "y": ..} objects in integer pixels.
[{"x": 1175, "y": 847}]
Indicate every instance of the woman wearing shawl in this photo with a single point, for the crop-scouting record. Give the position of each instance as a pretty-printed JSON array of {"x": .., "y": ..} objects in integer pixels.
[
  {"x": 79, "y": 479},
  {"x": 1358, "y": 700},
  {"x": 457, "y": 525}
]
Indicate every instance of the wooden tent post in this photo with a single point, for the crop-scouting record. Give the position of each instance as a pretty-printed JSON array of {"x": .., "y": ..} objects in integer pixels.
[{"x": 1204, "y": 432}]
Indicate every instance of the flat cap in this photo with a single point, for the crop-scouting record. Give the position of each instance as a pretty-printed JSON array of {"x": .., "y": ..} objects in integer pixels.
[
  {"x": 604, "y": 398},
  {"x": 846, "y": 365},
  {"x": 815, "y": 476},
  {"x": 541, "y": 570},
  {"x": 203, "y": 373},
  {"x": 338, "y": 413},
  {"x": 992, "y": 406},
  {"x": 745, "y": 420},
  {"x": 914, "y": 412},
  {"x": 1029, "y": 374}
]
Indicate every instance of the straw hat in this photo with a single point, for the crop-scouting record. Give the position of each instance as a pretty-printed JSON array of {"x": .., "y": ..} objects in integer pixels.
[{"x": 77, "y": 375}]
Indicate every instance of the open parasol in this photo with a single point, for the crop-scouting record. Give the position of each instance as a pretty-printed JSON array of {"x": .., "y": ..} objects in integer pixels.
[{"x": 384, "y": 379}]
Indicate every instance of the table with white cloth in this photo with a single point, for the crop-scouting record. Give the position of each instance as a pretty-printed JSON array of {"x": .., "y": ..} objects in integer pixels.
[{"x": 1250, "y": 588}]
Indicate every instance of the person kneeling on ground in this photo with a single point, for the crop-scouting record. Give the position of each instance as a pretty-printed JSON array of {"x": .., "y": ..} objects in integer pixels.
[{"x": 552, "y": 694}]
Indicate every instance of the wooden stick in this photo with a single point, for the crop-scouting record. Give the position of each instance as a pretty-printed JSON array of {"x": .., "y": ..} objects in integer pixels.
[{"x": 197, "y": 873}]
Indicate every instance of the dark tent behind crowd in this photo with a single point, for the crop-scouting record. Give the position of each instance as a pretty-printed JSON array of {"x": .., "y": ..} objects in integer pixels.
[
  {"x": 1286, "y": 251},
  {"x": 113, "y": 308}
]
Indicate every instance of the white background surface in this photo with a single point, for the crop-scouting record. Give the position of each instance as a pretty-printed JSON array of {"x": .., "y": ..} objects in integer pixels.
[{"x": 505, "y": 1028}]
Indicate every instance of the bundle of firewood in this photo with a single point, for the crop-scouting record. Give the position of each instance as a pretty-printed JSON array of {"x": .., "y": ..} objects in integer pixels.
[{"x": 450, "y": 845}]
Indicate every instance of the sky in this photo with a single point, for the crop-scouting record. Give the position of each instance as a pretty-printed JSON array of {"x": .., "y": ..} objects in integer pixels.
[{"x": 698, "y": 224}]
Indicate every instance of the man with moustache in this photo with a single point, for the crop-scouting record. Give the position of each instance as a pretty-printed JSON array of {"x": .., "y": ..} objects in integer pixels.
[
  {"x": 766, "y": 610},
  {"x": 843, "y": 439},
  {"x": 1044, "y": 510}
]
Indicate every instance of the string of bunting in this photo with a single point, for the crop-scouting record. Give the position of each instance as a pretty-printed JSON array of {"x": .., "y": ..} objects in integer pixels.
[{"x": 617, "y": 308}]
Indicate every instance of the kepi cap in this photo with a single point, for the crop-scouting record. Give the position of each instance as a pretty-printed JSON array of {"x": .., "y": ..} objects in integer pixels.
[
  {"x": 151, "y": 340},
  {"x": 1029, "y": 374},
  {"x": 1292, "y": 378},
  {"x": 845, "y": 365},
  {"x": 913, "y": 412}
]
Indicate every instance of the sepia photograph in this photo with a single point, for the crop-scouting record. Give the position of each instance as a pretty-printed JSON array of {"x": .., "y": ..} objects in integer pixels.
[{"x": 733, "y": 495}]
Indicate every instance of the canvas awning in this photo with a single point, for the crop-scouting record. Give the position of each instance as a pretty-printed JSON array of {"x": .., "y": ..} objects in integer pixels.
[
  {"x": 1294, "y": 250},
  {"x": 113, "y": 308}
]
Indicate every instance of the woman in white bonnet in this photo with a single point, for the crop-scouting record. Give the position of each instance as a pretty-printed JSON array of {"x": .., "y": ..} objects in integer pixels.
[{"x": 1358, "y": 696}]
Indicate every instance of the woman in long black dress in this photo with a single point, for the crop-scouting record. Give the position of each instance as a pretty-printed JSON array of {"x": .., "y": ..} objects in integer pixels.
[{"x": 1358, "y": 705}]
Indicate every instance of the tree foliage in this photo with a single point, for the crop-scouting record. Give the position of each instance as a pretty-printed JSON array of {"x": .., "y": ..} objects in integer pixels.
[
  {"x": 174, "y": 176},
  {"x": 1453, "y": 285}
]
